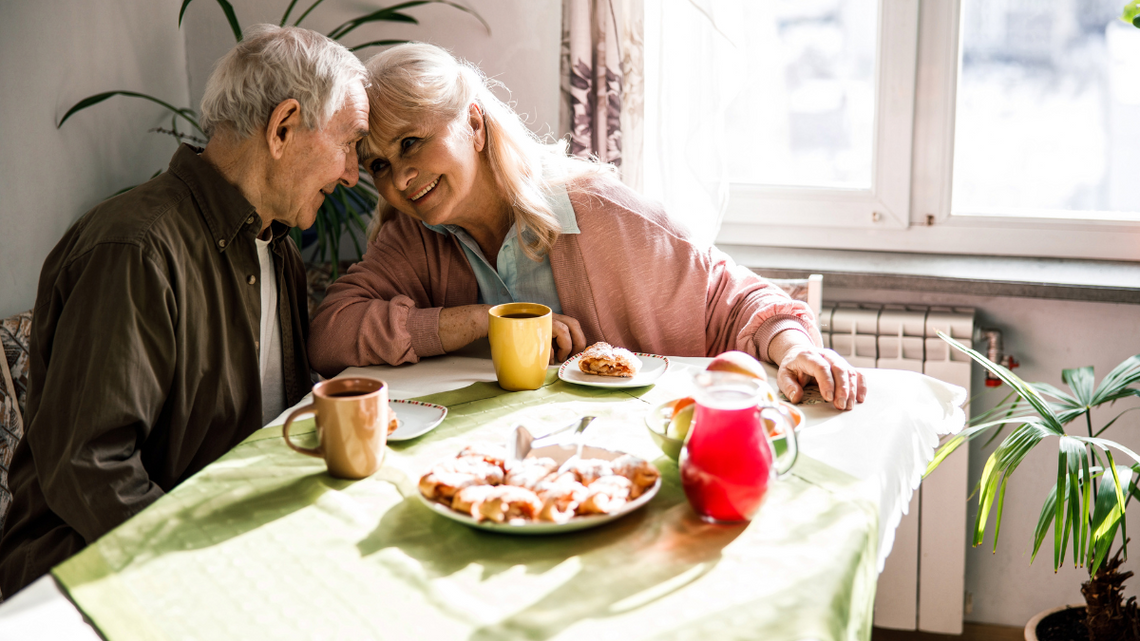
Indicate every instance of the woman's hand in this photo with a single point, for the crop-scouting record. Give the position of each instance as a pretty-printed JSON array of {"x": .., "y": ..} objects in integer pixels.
[
  {"x": 800, "y": 361},
  {"x": 567, "y": 338},
  {"x": 459, "y": 326}
]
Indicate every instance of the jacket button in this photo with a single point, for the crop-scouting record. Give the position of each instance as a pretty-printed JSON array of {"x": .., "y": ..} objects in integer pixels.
[
  {"x": 252, "y": 280},
  {"x": 249, "y": 221},
  {"x": 221, "y": 242}
]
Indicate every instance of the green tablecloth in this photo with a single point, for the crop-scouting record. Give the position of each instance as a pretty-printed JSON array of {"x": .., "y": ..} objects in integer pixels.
[{"x": 264, "y": 544}]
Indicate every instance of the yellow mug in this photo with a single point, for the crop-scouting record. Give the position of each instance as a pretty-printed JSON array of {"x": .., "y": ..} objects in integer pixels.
[
  {"x": 352, "y": 425},
  {"x": 520, "y": 337}
]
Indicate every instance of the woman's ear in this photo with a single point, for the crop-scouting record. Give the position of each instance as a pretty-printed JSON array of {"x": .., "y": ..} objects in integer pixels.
[{"x": 478, "y": 125}]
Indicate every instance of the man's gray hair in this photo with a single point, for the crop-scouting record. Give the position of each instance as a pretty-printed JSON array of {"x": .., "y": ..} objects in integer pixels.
[{"x": 270, "y": 65}]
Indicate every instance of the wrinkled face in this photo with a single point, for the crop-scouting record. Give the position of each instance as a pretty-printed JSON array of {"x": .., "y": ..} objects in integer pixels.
[
  {"x": 317, "y": 160},
  {"x": 430, "y": 170}
]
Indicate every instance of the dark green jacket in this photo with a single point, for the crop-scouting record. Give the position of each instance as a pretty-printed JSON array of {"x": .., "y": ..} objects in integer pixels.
[{"x": 144, "y": 359}]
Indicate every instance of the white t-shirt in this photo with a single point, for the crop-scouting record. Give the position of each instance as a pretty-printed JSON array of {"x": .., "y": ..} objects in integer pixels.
[{"x": 272, "y": 383}]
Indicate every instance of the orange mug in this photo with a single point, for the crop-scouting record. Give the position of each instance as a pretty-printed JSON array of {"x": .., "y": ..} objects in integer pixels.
[{"x": 352, "y": 425}]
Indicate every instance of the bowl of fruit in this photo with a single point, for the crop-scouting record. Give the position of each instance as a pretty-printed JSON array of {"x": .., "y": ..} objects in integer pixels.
[{"x": 669, "y": 422}]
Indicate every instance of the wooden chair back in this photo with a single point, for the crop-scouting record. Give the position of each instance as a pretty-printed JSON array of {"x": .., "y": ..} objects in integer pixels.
[{"x": 809, "y": 290}]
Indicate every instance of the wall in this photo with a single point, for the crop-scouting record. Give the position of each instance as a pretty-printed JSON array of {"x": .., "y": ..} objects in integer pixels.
[
  {"x": 1045, "y": 336},
  {"x": 55, "y": 54},
  {"x": 521, "y": 49},
  {"x": 50, "y": 177}
]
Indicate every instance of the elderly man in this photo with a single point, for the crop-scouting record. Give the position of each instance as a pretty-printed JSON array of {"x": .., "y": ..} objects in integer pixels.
[{"x": 169, "y": 322}]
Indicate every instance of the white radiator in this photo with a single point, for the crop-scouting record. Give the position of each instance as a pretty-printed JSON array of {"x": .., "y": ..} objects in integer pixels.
[{"x": 922, "y": 585}]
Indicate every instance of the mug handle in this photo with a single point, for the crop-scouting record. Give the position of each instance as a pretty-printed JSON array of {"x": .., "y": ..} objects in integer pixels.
[
  {"x": 793, "y": 450},
  {"x": 316, "y": 451}
]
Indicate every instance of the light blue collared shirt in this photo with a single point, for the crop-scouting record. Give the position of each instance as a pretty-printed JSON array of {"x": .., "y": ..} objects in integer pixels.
[{"x": 518, "y": 278}]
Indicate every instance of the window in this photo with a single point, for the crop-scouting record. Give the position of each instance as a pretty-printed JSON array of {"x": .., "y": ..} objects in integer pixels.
[
  {"x": 1003, "y": 127},
  {"x": 1048, "y": 111}
]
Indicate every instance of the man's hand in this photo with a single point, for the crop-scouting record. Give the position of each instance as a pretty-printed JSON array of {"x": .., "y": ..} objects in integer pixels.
[
  {"x": 568, "y": 338},
  {"x": 801, "y": 361}
]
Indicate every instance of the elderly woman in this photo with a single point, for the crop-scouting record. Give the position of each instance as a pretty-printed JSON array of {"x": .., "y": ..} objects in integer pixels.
[{"x": 477, "y": 212}]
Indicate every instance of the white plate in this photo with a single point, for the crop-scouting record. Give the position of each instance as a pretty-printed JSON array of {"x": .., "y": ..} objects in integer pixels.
[
  {"x": 415, "y": 418},
  {"x": 559, "y": 453},
  {"x": 652, "y": 367}
]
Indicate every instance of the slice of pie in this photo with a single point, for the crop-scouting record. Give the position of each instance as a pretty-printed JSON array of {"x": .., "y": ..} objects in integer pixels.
[{"x": 603, "y": 359}]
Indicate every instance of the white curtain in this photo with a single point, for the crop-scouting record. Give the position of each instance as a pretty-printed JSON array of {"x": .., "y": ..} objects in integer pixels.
[{"x": 693, "y": 71}]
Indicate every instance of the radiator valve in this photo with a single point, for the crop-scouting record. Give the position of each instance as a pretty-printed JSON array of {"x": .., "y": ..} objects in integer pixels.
[{"x": 994, "y": 353}]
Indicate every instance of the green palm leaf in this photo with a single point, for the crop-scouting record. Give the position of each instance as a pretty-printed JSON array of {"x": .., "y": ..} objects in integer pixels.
[
  {"x": 394, "y": 14},
  {"x": 1115, "y": 386},
  {"x": 377, "y": 43},
  {"x": 1026, "y": 391},
  {"x": 1132, "y": 13},
  {"x": 1046, "y": 389},
  {"x": 185, "y": 114},
  {"x": 1048, "y": 511},
  {"x": 1082, "y": 382},
  {"x": 1002, "y": 464},
  {"x": 1109, "y": 424},
  {"x": 288, "y": 10},
  {"x": 965, "y": 436},
  {"x": 227, "y": 9},
  {"x": 1105, "y": 444},
  {"x": 306, "y": 14},
  {"x": 1073, "y": 453}
]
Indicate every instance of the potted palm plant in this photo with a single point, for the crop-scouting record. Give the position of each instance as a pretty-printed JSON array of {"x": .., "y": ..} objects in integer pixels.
[
  {"x": 1085, "y": 507},
  {"x": 346, "y": 211}
]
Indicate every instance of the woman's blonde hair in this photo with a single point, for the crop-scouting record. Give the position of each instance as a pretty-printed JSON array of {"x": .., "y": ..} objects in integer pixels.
[{"x": 416, "y": 82}]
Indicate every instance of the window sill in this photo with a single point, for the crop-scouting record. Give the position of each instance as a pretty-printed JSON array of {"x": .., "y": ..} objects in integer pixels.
[{"x": 1052, "y": 278}]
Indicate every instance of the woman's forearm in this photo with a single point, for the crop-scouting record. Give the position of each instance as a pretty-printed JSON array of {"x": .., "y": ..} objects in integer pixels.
[{"x": 459, "y": 326}]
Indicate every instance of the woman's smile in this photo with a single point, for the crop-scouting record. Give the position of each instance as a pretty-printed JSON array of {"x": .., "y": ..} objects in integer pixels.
[{"x": 423, "y": 192}]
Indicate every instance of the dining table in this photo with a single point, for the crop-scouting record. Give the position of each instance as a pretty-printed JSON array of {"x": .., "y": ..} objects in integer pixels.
[{"x": 264, "y": 544}]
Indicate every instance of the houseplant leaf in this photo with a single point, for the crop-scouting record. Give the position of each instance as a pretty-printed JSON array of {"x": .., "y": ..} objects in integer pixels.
[
  {"x": 966, "y": 435},
  {"x": 377, "y": 43},
  {"x": 1048, "y": 390},
  {"x": 1082, "y": 382},
  {"x": 185, "y": 114},
  {"x": 1132, "y": 13},
  {"x": 306, "y": 13},
  {"x": 288, "y": 10},
  {"x": 1115, "y": 386},
  {"x": 1002, "y": 464},
  {"x": 1026, "y": 391},
  {"x": 394, "y": 14},
  {"x": 1109, "y": 424},
  {"x": 227, "y": 9}
]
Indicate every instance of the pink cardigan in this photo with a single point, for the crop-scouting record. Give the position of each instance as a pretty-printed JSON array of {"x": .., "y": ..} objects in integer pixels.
[{"x": 632, "y": 278}]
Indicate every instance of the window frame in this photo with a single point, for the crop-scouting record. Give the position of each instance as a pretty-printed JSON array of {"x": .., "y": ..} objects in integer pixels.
[{"x": 908, "y": 208}]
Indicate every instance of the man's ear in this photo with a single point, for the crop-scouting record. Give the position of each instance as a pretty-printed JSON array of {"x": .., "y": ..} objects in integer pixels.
[
  {"x": 282, "y": 127},
  {"x": 478, "y": 126}
]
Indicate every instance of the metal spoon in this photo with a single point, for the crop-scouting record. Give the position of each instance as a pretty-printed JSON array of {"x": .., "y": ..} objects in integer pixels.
[
  {"x": 586, "y": 420},
  {"x": 522, "y": 441}
]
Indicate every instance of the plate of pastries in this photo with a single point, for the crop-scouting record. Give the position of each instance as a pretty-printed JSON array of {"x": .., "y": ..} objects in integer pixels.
[
  {"x": 605, "y": 365},
  {"x": 554, "y": 489}
]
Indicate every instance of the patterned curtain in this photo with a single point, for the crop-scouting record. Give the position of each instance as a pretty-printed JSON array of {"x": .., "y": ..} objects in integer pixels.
[{"x": 602, "y": 82}]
